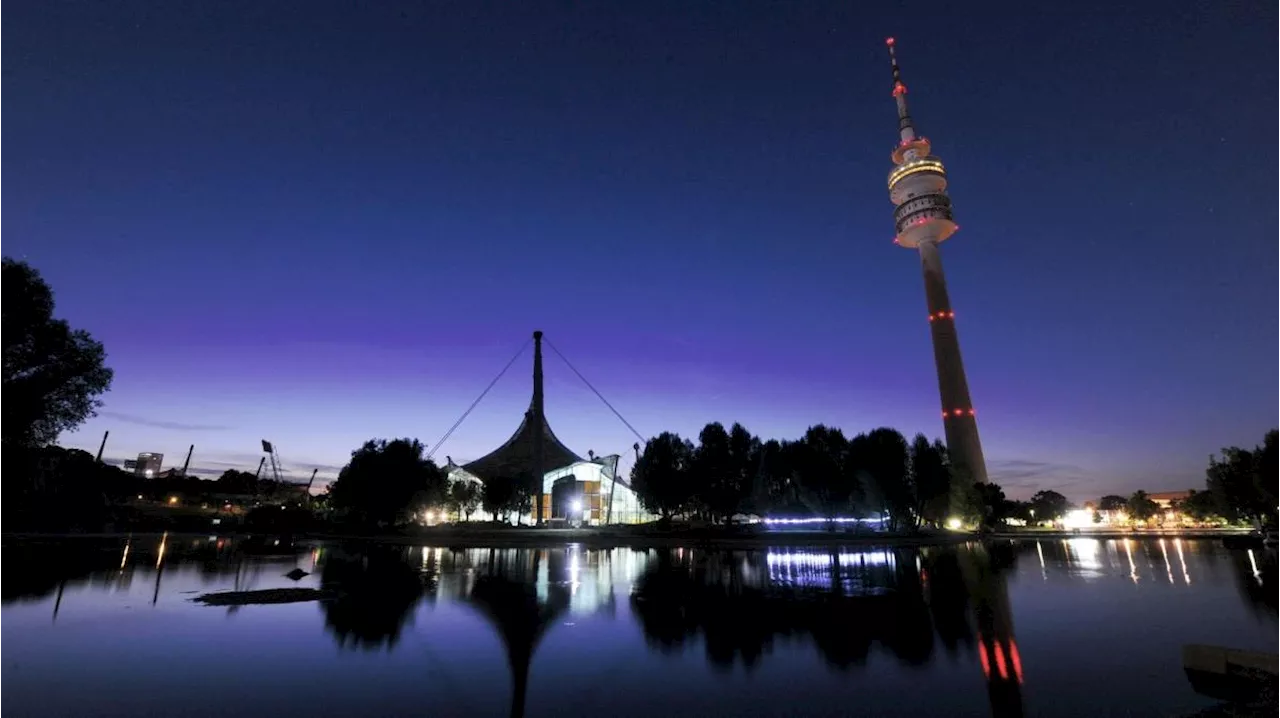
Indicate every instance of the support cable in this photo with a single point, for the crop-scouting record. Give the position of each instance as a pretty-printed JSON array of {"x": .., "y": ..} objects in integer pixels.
[
  {"x": 594, "y": 390},
  {"x": 466, "y": 413}
]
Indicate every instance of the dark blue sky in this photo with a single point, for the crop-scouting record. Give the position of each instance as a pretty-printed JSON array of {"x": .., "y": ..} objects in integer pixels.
[{"x": 320, "y": 222}]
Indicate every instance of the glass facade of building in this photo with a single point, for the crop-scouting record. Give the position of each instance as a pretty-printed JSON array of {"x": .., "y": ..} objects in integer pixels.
[{"x": 585, "y": 493}]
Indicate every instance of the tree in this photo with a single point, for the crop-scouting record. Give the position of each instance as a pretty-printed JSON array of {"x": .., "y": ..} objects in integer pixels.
[
  {"x": 1049, "y": 505},
  {"x": 1233, "y": 480},
  {"x": 464, "y": 498},
  {"x": 725, "y": 465},
  {"x": 990, "y": 504},
  {"x": 661, "y": 477},
  {"x": 1201, "y": 506},
  {"x": 1141, "y": 507},
  {"x": 234, "y": 481},
  {"x": 498, "y": 496},
  {"x": 525, "y": 494},
  {"x": 55, "y": 488},
  {"x": 1111, "y": 502},
  {"x": 709, "y": 477},
  {"x": 778, "y": 479},
  {"x": 1268, "y": 474},
  {"x": 826, "y": 471},
  {"x": 931, "y": 480},
  {"x": 1018, "y": 510},
  {"x": 388, "y": 481},
  {"x": 883, "y": 463},
  {"x": 52, "y": 373},
  {"x": 744, "y": 469}
]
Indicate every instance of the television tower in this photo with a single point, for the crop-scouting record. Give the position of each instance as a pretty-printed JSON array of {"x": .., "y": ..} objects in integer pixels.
[{"x": 922, "y": 219}]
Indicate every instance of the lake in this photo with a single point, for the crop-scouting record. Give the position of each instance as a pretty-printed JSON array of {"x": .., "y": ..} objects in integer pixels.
[{"x": 109, "y": 627}]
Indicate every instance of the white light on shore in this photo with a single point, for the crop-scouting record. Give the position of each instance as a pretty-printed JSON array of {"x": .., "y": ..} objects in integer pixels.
[
  {"x": 954, "y": 523},
  {"x": 1077, "y": 519}
]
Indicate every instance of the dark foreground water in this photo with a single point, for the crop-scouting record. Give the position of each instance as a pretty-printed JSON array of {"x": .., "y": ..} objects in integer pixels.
[{"x": 1051, "y": 628}]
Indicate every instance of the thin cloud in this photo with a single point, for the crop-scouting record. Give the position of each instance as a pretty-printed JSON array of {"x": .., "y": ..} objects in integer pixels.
[
  {"x": 250, "y": 463},
  {"x": 171, "y": 425},
  {"x": 1034, "y": 475}
]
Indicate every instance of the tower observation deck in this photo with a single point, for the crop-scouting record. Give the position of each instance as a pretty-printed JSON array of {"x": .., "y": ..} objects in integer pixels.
[{"x": 923, "y": 220}]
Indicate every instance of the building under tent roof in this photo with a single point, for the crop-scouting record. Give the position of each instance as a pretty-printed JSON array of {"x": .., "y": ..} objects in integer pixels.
[{"x": 575, "y": 489}]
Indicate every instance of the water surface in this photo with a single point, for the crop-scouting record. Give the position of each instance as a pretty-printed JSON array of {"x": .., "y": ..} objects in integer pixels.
[{"x": 96, "y": 627}]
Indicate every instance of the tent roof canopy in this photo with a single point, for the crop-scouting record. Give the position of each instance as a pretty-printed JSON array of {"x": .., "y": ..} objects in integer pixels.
[{"x": 515, "y": 457}]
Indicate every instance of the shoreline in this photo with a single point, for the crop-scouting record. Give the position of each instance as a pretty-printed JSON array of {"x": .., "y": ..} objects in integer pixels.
[{"x": 605, "y": 537}]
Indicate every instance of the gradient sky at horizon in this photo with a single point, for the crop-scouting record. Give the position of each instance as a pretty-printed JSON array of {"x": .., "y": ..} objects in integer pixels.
[{"x": 320, "y": 222}]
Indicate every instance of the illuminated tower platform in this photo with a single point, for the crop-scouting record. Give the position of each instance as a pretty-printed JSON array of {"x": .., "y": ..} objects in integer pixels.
[{"x": 922, "y": 220}]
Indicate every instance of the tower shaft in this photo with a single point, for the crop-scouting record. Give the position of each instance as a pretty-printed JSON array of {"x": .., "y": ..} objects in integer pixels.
[
  {"x": 923, "y": 219},
  {"x": 538, "y": 421},
  {"x": 959, "y": 421}
]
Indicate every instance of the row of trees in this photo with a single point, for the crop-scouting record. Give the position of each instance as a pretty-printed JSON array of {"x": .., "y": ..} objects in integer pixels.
[
  {"x": 1240, "y": 487},
  {"x": 392, "y": 481},
  {"x": 732, "y": 472}
]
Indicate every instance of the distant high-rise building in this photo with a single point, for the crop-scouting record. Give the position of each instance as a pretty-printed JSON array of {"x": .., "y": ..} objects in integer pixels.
[
  {"x": 922, "y": 219},
  {"x": 148, "y": 465}
]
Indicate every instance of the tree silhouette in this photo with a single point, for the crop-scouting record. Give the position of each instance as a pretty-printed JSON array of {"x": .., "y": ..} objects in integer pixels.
[
  {"x": 779, "y": 488},
  {"x": 387, "y": 481},
  {"x": 724, "y": 469},
  {"x": 661, "y": 477},
  {"x": 525, "y": 494},
  {"x": 464, "y": 498},
  {"x": 825, "y": 470},
  {"x": 56, "y": 488},
  {"x": 233, "y": 481},
  {"x": 498, "y": 496},
  {"x": 1201, "y": 506},
  {"x": 52, "y": 373},
  {"x": 744, "y": 467},
  {"x": 992, "y": 506},
  {"x": 931, "y": 480},
  {"x": 1233, "y": 480},
  {"x": 1049, "y": 505},
  {"x": 1268, "y": 469},
  {"x": 883, "y": 458},
  {"x": 1141, "y": 507},
  {"x": 1111, "y": 502}
]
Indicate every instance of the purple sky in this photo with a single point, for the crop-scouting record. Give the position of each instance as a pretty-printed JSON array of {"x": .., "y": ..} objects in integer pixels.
[{"x": 319, "y": 223}]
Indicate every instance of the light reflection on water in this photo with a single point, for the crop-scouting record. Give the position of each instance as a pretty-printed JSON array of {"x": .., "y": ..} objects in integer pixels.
[{"x": 102, "y": 627}]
